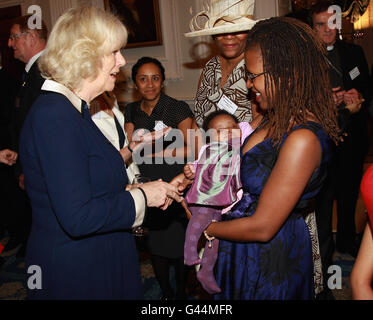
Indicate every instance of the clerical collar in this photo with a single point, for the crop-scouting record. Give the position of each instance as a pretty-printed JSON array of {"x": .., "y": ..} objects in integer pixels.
[{"x": 330, "y": 48}]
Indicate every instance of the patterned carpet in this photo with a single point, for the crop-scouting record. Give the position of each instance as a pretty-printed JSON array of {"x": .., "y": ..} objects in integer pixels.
[
  {"x": 13, "y": 278},
  {"x": 346, "y": 262}
]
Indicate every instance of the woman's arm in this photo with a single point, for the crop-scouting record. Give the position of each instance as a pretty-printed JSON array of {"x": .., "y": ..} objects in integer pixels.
[
  {"x": 126, "y": 153},
  {"x": 142, "y": 140},
  {"x": 362, "y": 273},
  {"x": 185, "y": 128},
  {"x": 189, "y": 150},
  {"x": 298, "y": 158},
  {"x": 129, "y": 127}
]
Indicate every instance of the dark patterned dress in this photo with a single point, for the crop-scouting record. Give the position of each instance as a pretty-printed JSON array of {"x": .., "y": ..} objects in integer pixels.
[
  {"x": 209, "y": 92},
  {"x": 282, "y": 268}
]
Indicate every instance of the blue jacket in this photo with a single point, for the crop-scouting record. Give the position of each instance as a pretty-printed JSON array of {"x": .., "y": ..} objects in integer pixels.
[{"x": 82, "y": 216}]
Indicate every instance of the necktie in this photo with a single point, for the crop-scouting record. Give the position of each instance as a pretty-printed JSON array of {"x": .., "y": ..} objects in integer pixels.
[{"x": 24, "y": 74}]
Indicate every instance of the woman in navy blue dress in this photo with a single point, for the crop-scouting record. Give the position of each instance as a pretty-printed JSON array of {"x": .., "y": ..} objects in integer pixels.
[
  {"x": 81, "y": 241},
  {"x": 266, "y": 251}
]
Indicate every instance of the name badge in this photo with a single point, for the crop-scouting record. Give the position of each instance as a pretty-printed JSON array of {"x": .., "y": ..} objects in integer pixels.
[
  {"x": 159, "y": 125},
  {"x": 227, "y": 104},
  {"x": 354, "y": 73}
]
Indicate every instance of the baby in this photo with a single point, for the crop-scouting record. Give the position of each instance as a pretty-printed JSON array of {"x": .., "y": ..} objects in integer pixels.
[{"x": 215, "y": 189}]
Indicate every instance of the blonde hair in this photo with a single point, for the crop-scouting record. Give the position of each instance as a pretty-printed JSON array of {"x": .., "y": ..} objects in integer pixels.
[{"x": 77, "y": 43}]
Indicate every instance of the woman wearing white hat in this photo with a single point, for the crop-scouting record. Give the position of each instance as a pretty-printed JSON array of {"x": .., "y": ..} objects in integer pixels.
[{"x": 222, "y": 84}]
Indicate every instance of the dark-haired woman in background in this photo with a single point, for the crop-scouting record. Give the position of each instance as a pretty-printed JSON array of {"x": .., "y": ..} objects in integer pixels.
[{"x": 155, "y": 111}]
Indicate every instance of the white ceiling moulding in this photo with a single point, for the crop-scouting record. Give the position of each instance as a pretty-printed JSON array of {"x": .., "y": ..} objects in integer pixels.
[{"x": 10, "y": 3}]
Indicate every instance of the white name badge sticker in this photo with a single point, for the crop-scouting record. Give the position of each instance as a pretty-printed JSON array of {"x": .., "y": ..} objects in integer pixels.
[
  {"x": 354, "y": 73},
  {"x": 159, "y": 125},
  {"x": 227, "y": 104}
]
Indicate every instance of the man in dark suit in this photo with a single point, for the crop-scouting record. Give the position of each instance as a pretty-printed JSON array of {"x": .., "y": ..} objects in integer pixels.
[
  {"x": 28, "y": 43},
  {"x": 349, "y": 76}
]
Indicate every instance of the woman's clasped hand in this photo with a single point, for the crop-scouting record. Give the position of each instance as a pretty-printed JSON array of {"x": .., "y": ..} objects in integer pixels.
[{"x": 159, "y": 193}]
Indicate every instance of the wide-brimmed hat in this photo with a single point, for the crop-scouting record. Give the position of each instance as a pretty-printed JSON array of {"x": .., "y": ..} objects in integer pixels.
[{"x": 223, "y": 16}]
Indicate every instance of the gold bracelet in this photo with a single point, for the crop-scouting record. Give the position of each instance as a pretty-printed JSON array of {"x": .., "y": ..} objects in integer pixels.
[{"x": 208, "y": 238}]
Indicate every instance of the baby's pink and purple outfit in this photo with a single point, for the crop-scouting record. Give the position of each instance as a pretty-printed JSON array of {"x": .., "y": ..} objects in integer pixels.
[{"x": 215, "y": 190}]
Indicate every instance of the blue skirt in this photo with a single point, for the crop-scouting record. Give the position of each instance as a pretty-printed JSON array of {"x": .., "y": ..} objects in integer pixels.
[{"x": 281, "y": 269}]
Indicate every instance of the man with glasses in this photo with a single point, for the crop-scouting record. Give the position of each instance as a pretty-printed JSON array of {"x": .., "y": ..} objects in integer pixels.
[
  {"x": 27, "y": 44},
  {"x": 349, "y": 76}
]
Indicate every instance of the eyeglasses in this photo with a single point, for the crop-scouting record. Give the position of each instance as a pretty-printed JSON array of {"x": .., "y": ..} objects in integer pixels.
[
  {"x": 252, "y": 76},
  {"x": 16, "y": 35}
]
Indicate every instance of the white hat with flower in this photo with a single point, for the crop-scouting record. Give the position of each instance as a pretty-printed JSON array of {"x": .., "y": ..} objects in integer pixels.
[{"x": 223, "y": 16}]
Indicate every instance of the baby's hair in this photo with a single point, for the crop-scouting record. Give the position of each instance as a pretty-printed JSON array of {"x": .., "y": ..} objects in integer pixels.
[{"x": 213, "y": 115}]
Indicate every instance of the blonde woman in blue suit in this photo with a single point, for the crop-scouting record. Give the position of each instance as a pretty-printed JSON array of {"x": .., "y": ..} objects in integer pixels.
[{"x": 82, "y": 215}]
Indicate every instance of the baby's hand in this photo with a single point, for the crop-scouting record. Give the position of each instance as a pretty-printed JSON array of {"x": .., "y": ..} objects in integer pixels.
[{"x": 189, "y": 171}]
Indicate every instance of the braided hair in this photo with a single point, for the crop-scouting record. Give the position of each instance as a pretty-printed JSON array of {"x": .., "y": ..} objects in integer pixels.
[{"x": 294, "y": 60}]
